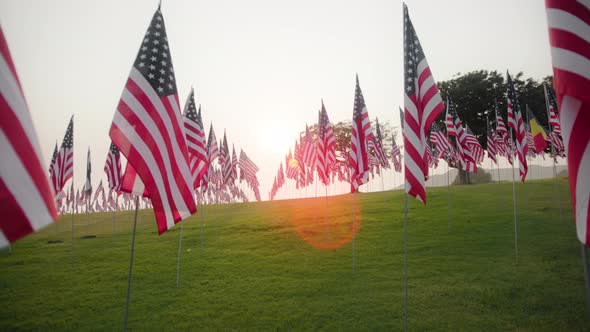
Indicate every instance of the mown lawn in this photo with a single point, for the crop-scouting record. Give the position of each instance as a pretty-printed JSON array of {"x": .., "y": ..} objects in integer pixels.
[{"x": 288, "y": 265}]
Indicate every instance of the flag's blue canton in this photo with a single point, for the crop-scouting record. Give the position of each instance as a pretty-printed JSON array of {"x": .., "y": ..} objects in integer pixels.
[
  {"x": 69, "y": 138},
  {"x": 114, "y": 149},
  {"x": 413, "y": 54},
  {"x": 359, "y": 101},
  {"x": 154, "y": 61},
  {"x": 191, "y": 109},
  {"x": 513, "y": 95}
]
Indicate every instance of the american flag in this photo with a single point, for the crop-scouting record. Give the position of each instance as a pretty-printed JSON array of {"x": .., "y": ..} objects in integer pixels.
[
  {"x": 440, "y": 141},
  {"x": 468, "y": 161},
  {"x": 147, "y": 129},
  {"x": 212, "y": 148},
  {"x": 530, "y": 142},
  {"x": 308, "y": 148},
  {"x": 423, "y": 104},
  {"x": 280, "y": 176},
  {"x": 226, "y": 167},
  {"x": 326, "y": 143},
  {"x": 558, "y": 147},
  {"x": 99, "y": 190},
  {"x": 27, "y": 201},
  {"x": 551, "y": 104},
  {"x": 65, "y": 157},
  {"x": 396, "y": 156},
  {"x": 492, "y": 140},
  {"x": 377, "y": 145},
  {"x": 361, "y": 135},
  {"x": 234, "y": 163},
  {"x": 450, "y": 121},
  {"x": 500, "y": 126},
  {"x": 195, "y": 139},
  {"x": 569, "y": 36},
  {"x": 221, "y": 158},
  {"x": 474, "y": 146},
  {"x": 88, "y": 184},
  {"x": 432, "y": 160},
  {"x": 113, "y": 168},
  {"x": 502, "y": 134},
  {"x": 515, "y": 121},
  {"x": 298, "y": 156},
  {"x": 248, "y": 168},
  {"x": 291, "y": 167},
  {"x": 53, "y": 170}
]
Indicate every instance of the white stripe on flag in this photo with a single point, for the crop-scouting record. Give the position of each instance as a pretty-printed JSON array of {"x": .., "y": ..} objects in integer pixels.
[
  {"x": 570, "y": 61},
  {"x": 148, "y": 122},
  {"x": 19, "y": 183},
  {"x": 145, "y": 153},
  {"x": 10, "y": 91}
]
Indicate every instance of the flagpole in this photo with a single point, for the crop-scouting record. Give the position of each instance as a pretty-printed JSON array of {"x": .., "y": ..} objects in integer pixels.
[
  {"x": 586, "y": 276},
  {"x": 326, "y": 218},
  {"x": 73, "y": 257},
  {"x": 178, "y": 256},
  {"x": 449, "y": 170},
  {"x": 202, "y": 217},
  {"x": 405, "y": 260},
  {"x": 354, "y": 233},
  {"x": 448, "y": 195},
  {"x": 514, "y": 203},
  {"x": 131, "y": 264}
]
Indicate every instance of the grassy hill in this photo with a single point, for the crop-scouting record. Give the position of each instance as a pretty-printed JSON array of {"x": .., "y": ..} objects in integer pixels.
[{"x": 288, "y": 265}]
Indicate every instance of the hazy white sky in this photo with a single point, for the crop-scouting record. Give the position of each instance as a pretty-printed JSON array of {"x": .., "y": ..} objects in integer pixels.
[{"x": 259, "y": 67}]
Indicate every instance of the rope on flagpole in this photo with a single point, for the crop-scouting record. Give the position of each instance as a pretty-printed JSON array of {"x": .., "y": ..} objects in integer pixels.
[{"x": 131, "y": 264}]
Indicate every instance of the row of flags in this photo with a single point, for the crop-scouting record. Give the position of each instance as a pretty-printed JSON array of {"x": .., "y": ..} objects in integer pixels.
[
  {"x": 318, "y": 155},
  {"x": 168, "y": 157}
]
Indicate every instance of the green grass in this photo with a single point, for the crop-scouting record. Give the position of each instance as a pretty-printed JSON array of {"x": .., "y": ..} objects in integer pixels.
[{"x": 256, "y": 271}]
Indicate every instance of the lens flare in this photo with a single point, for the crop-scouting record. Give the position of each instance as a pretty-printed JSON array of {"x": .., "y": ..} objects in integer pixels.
[{"x": 326, "y": 223}]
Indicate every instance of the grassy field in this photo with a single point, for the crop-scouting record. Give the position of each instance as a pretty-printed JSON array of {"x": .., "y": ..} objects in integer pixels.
[{"x": 287, "y": 265}]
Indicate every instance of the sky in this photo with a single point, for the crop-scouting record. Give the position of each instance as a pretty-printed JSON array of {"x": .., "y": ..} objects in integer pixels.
[{"x": 260, "y": 68}]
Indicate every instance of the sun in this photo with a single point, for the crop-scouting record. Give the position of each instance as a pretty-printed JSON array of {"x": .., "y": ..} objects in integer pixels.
[{"x": 277, "y": 139}]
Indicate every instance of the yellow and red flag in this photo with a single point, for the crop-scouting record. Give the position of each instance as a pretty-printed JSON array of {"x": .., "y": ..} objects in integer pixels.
[{"x": 539, "y": 134}]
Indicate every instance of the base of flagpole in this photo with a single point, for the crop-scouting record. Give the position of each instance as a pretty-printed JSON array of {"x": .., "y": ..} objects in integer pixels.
[
  {"x": 586, "y": 277},
  {"x": 131, "y": 264}
]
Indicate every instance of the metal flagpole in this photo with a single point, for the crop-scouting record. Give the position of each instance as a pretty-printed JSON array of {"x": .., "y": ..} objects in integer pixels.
[
  {"x": 73, "y": 257},
  {"x": 131, "y": 264},
  {"x": 586, "y": 276},
  {"x": 178, "y": 257},
  {"x": 354, "y": 233},
  {"x": 114, "y": 217},
  {"x": 326, "y": 220},
  {"x": 448, "y": 173},
  {"x": 202, "y": 217},
  {"x": 405, "y": 260},
  {"x": 448, "y": 196},
  {"x": 514, "y": 203}
]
